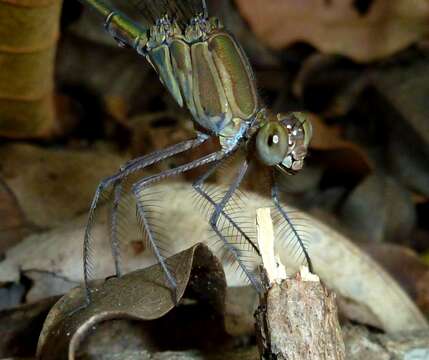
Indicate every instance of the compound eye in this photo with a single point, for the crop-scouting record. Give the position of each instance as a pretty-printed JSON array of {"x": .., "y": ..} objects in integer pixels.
[
  {"x": 304, "y": 126},
  {"x": 272, "y": 143}
]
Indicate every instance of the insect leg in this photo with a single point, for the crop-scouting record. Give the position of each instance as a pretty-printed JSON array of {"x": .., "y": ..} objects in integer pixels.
[
  {"x": 199, "y": 188},
  {"x": 126, "y": 170},
  {"x": 114, "y": 241},
  {"x": 219, "y": 210},
  {"x": 285, "y": 216},
  {"x": 137, "y": 189}
]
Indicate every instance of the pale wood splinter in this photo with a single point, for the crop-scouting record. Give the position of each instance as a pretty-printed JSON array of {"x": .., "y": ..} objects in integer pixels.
[{"x": 297, "y": 318}]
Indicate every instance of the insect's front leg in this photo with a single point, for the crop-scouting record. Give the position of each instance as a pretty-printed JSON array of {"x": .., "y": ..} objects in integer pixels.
[
  {"x": 198, "y": 186},
  {"x": 293, "y": 229},
  {"x": 219, "y": 210}
]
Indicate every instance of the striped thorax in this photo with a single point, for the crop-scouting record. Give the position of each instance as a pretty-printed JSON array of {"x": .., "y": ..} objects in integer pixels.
[{"x": 204, "y": 68}]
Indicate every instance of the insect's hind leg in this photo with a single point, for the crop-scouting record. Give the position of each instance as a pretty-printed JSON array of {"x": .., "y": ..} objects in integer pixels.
[
  {"x": 126, "y": 170},
  {"x": 114, "y": 222},
  {"x": 87, "y": 256},
  {"x": 118, "y": 189}
]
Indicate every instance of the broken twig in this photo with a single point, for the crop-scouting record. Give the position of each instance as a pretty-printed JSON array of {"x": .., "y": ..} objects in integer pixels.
[{"x": 297, "y": 317}]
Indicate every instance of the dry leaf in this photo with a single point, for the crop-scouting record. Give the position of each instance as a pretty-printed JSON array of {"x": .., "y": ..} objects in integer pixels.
[
  {"x": 340, "y": 264},
  {"x": 13, "y": 224},
  {"x": 20, "y": 326},
  {"x": 426, "y": 258},
  {"x": 405, "y": 86},
  {"x": 156, "y": 131},
  {"x": 117, "y": 108},
  {"x": 143, "y": 295},
  {"x": 53, "y": 186},
  {"x": 330, "y": 84},
  {"x": 380, "y": 209},
  {"x": 240, "y": 353},
  {"x": 363, "y": 344},
  {"x": 362, "y": 30},
  {"x": 407, "y": 268},
  {"x": 28, "y": 36},
  {"x": 337, "y": 152},
  {"x": 118, "y": 76}
]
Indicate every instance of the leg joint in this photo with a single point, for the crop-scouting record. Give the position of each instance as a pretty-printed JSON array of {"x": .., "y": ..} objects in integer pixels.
[
  {"x": 215, "y": 216},
  {"x": 198, "y": 185}
]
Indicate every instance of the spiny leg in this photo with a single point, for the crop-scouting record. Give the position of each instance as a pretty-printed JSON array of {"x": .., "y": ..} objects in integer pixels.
[
  {"x": 198, "y": 186},
  {"x": 285, "y": 216},
  {"x": 114, "y": 221},
  {"x": 129, "y": 168},
  {"x": 138, "y": 187},
  {"x": 219, "y": 210}
]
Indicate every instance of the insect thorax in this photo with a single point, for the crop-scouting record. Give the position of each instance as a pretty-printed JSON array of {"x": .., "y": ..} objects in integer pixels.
[{"x": 205, "y": 69}]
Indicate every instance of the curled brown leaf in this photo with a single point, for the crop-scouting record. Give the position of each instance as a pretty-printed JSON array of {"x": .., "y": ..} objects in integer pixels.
[{"x": 142, "y": 295}]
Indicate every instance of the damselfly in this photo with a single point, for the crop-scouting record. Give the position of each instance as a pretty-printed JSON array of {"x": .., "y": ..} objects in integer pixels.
[{"x": 205, "y": 69}]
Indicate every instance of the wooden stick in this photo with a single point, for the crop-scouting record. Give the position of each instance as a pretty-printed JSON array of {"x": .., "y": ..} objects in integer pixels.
[
  {"x": 274, "y": 269},
  {"x": 297, "y": 317}
]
